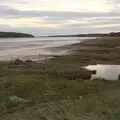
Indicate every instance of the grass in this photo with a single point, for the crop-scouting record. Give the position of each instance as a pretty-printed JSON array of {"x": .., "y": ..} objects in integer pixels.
[
  {"x": 39, "y": 85},
  {"x": 59, "y": 89}
]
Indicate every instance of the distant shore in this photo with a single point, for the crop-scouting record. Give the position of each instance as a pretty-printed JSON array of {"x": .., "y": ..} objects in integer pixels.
[
  {"x": 112, "y": 34},
  {"x": 14, "y": 34}
]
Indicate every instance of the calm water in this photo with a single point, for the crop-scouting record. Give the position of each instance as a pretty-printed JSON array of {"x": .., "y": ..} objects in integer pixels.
[
  {"x": 107, "y": 72},
  {"x": 11, "y": 48}
]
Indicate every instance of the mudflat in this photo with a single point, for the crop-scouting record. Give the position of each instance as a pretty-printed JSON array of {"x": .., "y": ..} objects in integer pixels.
[{"x": 97, "y": 51}]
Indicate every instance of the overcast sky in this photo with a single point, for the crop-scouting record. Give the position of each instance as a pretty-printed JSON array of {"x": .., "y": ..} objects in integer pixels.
[{"x": 50, "y": 17}]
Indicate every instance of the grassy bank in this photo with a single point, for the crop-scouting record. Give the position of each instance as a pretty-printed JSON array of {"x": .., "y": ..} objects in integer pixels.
[{"x": 59, "y": 89}]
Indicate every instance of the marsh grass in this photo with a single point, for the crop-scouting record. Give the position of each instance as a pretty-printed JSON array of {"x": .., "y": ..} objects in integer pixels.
[
  {"x": 42, "y": 83},
  {"x": 59, "y": 89}
]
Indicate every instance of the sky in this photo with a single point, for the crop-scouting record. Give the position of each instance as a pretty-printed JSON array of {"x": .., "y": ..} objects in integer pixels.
[{"x": 52, "y": 17}]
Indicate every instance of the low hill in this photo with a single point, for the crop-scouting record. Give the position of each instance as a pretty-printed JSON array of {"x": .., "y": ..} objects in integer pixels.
[
  {"x": 114, "y": 34},
  {"x": 14, "y": 34}
]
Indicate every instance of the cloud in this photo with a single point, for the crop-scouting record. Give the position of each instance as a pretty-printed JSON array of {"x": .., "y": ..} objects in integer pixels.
[
  {"x": 39, "y": 21},
  {"x": 8, "y": 11},
  {"x": 60, "y": 5}
]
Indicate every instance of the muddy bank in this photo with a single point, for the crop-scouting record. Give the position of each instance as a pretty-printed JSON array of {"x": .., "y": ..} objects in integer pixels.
[
  {"x": 97, "y": 51},
  {"x": 90, "y": 52}
]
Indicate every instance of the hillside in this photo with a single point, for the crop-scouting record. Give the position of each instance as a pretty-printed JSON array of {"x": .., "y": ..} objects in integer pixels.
[
  {"x": 14, "y": 34},
  {"x": 112, "y": 34}
]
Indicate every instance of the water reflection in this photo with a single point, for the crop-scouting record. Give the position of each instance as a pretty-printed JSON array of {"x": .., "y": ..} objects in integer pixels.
[
  {"x": 107, "y": 72},
  {"x": 11, "y": 48}
]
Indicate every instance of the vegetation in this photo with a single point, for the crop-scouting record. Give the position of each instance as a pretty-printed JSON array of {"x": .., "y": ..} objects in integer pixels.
[
  {"x": 45, "y": 90},
  {"x": 14, "y": 34},
  {"x": 117, "y": 34},
  {"x": 59, "y": 89}
]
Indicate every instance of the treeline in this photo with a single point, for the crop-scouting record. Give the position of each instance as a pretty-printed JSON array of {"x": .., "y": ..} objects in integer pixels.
[
  {"x": 14, "y": 34},
  {"x": 117, "y": 34}
]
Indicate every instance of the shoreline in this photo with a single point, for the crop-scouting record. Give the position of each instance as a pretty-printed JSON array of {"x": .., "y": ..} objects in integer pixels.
[
  {"x": 104, "y": 50},
  {"x": 28, "y": 49}
]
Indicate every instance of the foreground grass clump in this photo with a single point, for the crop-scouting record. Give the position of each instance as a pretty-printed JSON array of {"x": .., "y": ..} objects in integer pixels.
[{"x": 67, "y": 99}]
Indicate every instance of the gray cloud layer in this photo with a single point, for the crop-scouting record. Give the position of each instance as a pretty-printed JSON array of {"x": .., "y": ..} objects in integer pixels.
[
  {"x": 103, "y": 18},
  {"x": 6, "y": 11}
]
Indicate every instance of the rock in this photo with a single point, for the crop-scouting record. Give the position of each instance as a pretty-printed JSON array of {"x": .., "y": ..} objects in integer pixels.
[
  {"x": 17, "y": 99},
  {"x": 80, "y": 97}
]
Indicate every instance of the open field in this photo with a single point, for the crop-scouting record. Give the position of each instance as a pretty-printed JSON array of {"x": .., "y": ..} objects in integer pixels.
[{"x": 58, "y": 88}]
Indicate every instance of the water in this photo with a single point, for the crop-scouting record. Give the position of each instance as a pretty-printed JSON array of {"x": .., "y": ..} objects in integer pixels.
[
  {"x": 33, "y": 48},
  {"x": 107, "y": 72}
]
